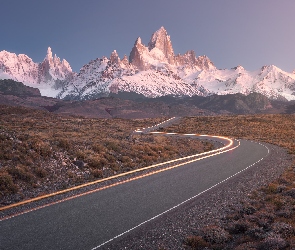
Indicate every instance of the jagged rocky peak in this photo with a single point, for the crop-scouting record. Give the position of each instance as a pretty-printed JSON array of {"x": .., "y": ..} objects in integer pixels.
[
  {"x": 137, "y": 54},
  {"x": 188, "y": 59},
  {"x": 66, "y": 65},
  {"x": 114, "y": 58},
  {"x": 52, "y": 69},
  {"x": 49, "y": 55},
  {"x": 55, "y": 62},
  {"x": 238, "y": 68},
  {"x": 161, "y": 40},
  {"x": 138, "y": 41},
  {"x": 24, "y": 58},
  {"x": 6, "y": 56},
  {"x": 21, "y": 68},
  {"x": 204, "y": 63},
  {"x": 160, "y": 52},
  {"x": 125, "y": 61}
]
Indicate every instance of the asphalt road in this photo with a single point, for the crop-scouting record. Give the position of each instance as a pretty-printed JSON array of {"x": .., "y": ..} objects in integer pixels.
[{"x": 89, "y": 221}]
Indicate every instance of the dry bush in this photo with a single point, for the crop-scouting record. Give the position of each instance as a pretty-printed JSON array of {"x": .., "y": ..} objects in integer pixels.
[
  {"x": 215, "y": 235},
  {"x": 97, "y": 173},
  {"x": 276, "y": 129},
  {"x": 196, "y": 242},
  {"x": 95, "y": 162},
  {"x": 63, "y": 143},
  {"x": 49, "y": 147},
  {"x": 6, "y": 185},
  {"x": 21, "y": 173},
  {"x": 270, "y": 223}
]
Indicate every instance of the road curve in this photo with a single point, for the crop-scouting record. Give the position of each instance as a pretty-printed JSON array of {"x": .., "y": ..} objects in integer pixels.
[{"x": 92, "y": 221}]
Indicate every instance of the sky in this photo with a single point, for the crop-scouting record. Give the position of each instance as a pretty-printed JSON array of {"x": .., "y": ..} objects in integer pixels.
[{"x": 251, "y": 33}]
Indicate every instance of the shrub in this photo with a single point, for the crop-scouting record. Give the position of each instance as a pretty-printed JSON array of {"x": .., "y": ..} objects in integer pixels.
[
  {"x": 112, "y": 145},
  {"x": 97, "y": 173},
  {"x": 63, "y": 143},
  {"x": 40, "y": 172},
  {"x": 6, "y": 184},
  {"x": 114, "y": 166},
  {"x": 81, "y": 155},
  {"x": 256, "y": 233},
  {"x": 125, "y": 159},
  {"x": 273, "y": 242},
  {"x": 196, "y": 242},
  {"x": 238, "y": 227},
  {"x": 21, "y": 173},
  {"x": 272, "y": 188},
  {"x": 248, "y": 210},
  {"x": 110, "y": 158},
  {"x": 44, "y": 150},
  {"x": 98, "y": 148},
  {"x": 215, "y": 235},
  {"x": 95, "y": 162},
  {"x": 284, "y": 229}
]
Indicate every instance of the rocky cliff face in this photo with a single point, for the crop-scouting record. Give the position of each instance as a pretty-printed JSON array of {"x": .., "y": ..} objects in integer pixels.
[
  {"x": 161, "y": 41},
  {"x": 52, "y": 68},
  {"x": 159, "y": 53},
  {"x": 137, "y": 55}
]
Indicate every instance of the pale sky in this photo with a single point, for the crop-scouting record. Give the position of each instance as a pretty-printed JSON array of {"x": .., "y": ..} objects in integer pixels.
[{"x": 251, "y": 33}]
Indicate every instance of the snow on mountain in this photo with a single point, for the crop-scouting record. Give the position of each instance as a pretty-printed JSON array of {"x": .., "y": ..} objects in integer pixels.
[
  {"x": 102, "y": 76},
  {"x": 269, "y": 81},
  {"x": 153, "y": 70},
  {"x": 46, "y": 75},
  {"x": 18, "y": 67}
]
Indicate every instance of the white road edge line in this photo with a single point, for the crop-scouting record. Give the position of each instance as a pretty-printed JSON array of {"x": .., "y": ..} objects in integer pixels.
[{"x": 176, "y": 206}]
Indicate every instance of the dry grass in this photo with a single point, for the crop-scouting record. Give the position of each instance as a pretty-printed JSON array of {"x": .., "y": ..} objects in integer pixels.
[
  {"x": 41, "y": 152},
  {"x": 268, "y": 220},
  {"x": 275, "y": 129}
]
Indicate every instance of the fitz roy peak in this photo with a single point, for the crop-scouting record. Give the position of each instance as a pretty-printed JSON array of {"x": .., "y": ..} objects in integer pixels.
[{"x": 153, "y": 70}]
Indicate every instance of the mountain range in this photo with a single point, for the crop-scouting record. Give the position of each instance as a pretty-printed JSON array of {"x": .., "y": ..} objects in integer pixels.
[
  {"x": 152, "y": 71},
  {"x": 131, "y": 105}
]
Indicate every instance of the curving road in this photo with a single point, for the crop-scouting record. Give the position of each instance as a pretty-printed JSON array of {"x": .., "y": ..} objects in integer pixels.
[{"x": 93, "y": 220}]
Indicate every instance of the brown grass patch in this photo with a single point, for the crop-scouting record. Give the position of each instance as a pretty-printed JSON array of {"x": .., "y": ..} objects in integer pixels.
[{"x": 41, "y": 152}]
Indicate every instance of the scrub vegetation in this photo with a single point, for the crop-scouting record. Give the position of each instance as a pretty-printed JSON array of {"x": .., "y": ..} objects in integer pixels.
[
  {"x": 267, "y": 219},
  {"x": 41, "y": 152}
]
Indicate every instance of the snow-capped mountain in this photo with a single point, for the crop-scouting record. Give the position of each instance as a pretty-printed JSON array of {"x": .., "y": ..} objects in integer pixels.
[
  {"x": 269, "y": 81},
  {"x": 46, "y": 75},
  {"x": 153, "y": 70}
]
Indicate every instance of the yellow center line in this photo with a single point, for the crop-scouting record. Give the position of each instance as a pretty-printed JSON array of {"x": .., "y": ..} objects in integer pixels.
[
  {"x": 220, "y": 150},
  {"x": 119, "y": 183}
]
